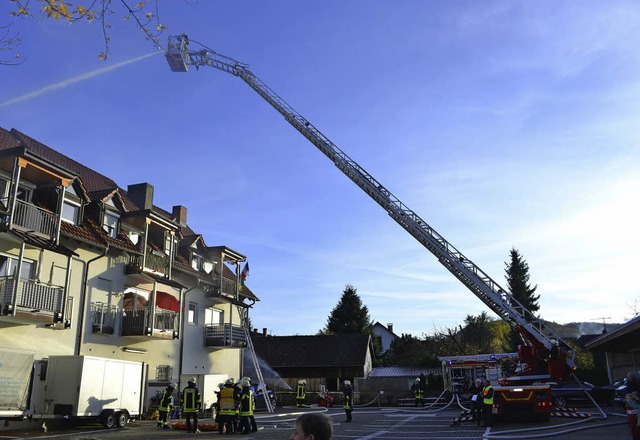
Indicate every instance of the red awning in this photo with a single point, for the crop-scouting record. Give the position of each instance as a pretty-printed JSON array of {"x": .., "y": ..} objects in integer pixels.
[{"x": 167, "y": 301}]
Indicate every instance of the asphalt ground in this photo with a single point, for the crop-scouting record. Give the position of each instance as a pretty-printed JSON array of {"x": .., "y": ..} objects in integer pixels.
[{"x": 368, "y": 424}]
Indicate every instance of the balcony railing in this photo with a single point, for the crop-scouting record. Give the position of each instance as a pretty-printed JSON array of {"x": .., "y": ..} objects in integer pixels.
[
  {"x": 137, "y": 322},
  {"x": 152, "y": 261},
  {"x": 228, "y": 287},
  {"x": 103, "y": 318},
  {"x": 31, "y": 296},
  {"x": 224, "y": 335},
  {"x": 34, "y": 219}
]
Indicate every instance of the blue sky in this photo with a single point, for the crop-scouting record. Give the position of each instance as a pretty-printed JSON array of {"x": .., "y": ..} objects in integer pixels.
[{"x": 502, "y": 124}]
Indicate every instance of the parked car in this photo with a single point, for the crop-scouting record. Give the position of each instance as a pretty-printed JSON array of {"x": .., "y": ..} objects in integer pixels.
[
  {"x": 579, "y": 392},
  {"x": 259, "y": 394}
]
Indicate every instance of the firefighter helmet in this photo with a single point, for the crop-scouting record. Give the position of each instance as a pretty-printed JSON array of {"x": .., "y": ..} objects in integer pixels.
[
  {"x": 173, "y": 385},
  {"x": 347, "y": 382},
  {"x": 228, "y": 381}
]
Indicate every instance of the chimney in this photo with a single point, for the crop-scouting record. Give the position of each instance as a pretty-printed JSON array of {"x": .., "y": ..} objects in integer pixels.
[
  {"x": 180, "y": 213},
  {"x": 264, "y": 331},
  {"x": 390, "y": 326},
  {"x": 141, "y": 194}
]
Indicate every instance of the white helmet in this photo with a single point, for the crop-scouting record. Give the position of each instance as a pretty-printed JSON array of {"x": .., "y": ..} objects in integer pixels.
[
  {"x": 173, "y": 385},
  {"x": 245, "y": 382},
  {"x": 347, "y": 382}
]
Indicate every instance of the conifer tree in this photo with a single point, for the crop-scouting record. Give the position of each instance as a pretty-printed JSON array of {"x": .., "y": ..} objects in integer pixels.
[
  {"x": 517, "y": 275},
  {"x": 349, "y": 315}
]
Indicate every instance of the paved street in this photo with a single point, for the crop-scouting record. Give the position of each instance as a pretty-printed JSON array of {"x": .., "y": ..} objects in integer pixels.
[{"x": 368, "y": 423}]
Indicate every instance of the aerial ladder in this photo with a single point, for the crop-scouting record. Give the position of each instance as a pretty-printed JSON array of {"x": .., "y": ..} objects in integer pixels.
[{"x": 546, "y": 356}]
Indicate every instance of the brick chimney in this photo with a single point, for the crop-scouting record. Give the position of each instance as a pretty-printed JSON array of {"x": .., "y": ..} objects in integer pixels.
[
  {"x": 180, "y": 213},
  {"x": 141, "y": 194}
]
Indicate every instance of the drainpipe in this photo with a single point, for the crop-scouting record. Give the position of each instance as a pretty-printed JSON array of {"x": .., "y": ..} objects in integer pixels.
[
  {"x": 183, "y": 298},
  {"x": 83, "y": 303}
]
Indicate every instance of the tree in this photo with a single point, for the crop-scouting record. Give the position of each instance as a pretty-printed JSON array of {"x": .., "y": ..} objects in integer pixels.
[
  {"x": 349, "y": 315},
  {"x": 517, "y": 275},
  {"x": 407, "y": 351},
  {"x": 143, "y": 13}
]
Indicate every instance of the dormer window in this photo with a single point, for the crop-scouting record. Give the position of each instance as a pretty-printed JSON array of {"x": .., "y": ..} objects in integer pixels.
[
  {"x": 71, "y": 206},
  {"x": 110, "y": 223},
  {"x": 197, "y": 261}
]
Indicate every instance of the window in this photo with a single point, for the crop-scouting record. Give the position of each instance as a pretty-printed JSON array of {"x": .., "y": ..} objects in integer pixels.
[
  {"x": 196, "y": 261},
  {"x": 71, "y": 206},
  {"x": 167, "y": 242},
  {"x": 213, "y": 317},
  {"x": 164, "y": 373},
  {"x": 110, "y": 223},
  {"x": 9, "y": 265},
  {"x": 71, "y": 212},
  {"x": 192, "y": 314}
]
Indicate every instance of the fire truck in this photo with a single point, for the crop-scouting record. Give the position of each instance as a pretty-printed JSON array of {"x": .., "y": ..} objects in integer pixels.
[
  {"x": 543, "y": 355},
  {"x": 460, "y": 373}
]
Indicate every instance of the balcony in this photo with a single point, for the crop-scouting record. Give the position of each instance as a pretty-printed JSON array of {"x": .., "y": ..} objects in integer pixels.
[
  {"x": 103, "y": 318},
  {"x": 138, "y": 322},
  {"x": 34, "y": 219},
  {"x": 155, "y": 263},
  {"x": 224, "y": 335},
  {"x": 33, "y": 301}
]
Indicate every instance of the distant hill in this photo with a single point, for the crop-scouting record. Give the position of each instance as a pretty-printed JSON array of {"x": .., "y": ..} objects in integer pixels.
[{"x": 577, "y": 329}]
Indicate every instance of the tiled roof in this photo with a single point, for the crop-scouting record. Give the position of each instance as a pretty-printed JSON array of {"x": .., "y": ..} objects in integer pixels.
[
  {"x": 93, "y": 181},
  {"x": 402, "y": 371},
  {"x": 312, "y": 351}
]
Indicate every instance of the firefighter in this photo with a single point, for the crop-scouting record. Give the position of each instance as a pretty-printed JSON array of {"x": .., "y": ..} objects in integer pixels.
[
  {"x": 216, "y": 406},
  {"x": 165, "y": 405},
  {"x": 347, "y": 399},
  {"x": 247, "y": 405},
  {"x": 227, "y": 407},
  {"x": 487, "y": 403},
  {"x": 418, "y": 392},
  {"x": 476, "y": 402},
  {"x": 191, "y": 405},
  {"x": 301, "y": 391}
]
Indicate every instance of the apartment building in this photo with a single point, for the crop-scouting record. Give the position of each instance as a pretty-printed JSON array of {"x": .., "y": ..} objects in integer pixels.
[{"x": 89, "y": 268}]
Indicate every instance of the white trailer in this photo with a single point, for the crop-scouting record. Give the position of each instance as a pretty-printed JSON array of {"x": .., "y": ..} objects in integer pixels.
[
  {"x": 110, "y": 391},
  {"x": 16, "y": 367}
]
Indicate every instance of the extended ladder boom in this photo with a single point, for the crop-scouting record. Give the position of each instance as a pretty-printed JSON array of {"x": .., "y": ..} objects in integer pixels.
[{"x": 482, "y": 285}]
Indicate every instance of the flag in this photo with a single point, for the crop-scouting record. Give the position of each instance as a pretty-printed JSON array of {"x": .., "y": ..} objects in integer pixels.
[{"x": 244, "y": 274}]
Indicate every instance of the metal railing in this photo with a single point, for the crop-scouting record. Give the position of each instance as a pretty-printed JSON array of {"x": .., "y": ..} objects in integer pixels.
[
  {"x": 31, "y": 295},
  {"x": 34, "y": 219},
  {"x": 103, "y": 317},
  {"x": 224, "y": 335},
  {"x": 137, "y": 322}
]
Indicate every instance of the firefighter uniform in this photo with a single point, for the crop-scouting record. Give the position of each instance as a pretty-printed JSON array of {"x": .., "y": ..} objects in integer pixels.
[
  {"x": 247, "y": 405},
  {"x": 487, "y": 404},
  {"x": 347, "y": 399},
  {"x": 191, "y": 405},
  {"x": 227, "y": 408},
  {"x": 165, "y": 405},
  {"x": 301, "y": 392}
]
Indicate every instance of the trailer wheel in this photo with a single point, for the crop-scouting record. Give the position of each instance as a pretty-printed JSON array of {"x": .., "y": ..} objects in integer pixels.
[
  {"x": 122, "y": 418},
  {"x": 108, "y": 420},
  {"x": 559, "y": 402}
]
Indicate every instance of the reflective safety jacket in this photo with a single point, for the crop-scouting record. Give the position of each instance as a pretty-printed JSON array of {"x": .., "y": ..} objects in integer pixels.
[
  {"x": 190, "y": 400},
  {"x": 247, "y": 404},
  {"x": 166, "y": 400},
  {"x": 301, "y": 392},
  {"x": 227, "y": 402},
  {"x": 487, "y": 392},
  {"x": 346, "y": 398}
]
